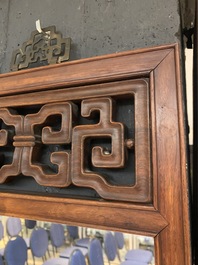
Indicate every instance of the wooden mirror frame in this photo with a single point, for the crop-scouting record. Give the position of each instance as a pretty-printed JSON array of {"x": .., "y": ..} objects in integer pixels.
[{"x": 166, "y": 217}]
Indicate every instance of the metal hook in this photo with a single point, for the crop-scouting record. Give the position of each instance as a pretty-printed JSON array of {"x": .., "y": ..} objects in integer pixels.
[{"x": 39, "y": 29}]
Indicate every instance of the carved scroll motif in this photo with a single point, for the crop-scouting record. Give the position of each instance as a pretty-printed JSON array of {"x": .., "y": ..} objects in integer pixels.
[
  {"x": 27, "y": 144},
  {"x": 63, "y": 136},
  {"x": 15, "y": 121},
  {"x": 105, "y": 128}
]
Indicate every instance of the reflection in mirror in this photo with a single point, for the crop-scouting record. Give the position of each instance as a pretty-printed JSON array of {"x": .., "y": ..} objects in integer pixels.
[{"x": 37, "y": 242}]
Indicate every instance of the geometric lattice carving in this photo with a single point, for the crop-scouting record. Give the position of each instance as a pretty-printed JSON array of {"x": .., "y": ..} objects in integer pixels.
[
  {"x": 105, "y": 128},
  {"x": 82, "y": 142},
  {"x": 48, "y": 136},
  {"x": 27, "y": 144},
  {"x": 7, "y": 171}
]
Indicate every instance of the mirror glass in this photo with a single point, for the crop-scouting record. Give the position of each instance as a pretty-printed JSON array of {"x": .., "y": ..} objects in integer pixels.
[{"x": 46, "y": 241}]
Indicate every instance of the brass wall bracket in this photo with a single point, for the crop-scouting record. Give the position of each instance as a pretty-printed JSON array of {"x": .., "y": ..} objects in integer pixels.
[{"x": 44, "y": 47}]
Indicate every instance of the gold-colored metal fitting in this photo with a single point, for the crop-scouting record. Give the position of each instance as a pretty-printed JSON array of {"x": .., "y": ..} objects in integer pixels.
[{"x": 44, "y": 47}]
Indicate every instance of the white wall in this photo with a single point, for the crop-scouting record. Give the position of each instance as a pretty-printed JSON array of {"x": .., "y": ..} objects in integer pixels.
[{"x": 189, "y": 88}]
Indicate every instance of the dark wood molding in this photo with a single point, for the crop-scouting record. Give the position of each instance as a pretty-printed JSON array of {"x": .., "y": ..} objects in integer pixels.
[{"x": 161, "y": 209}]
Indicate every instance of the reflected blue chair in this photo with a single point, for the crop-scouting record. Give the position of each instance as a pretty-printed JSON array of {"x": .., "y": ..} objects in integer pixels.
[
  {"x": 80, "y": 244},
  {"x": 95, "y": 253},
  {"x": 119, "y": 237},
  {"x": 74, "y": 236},
  {"x": 29, "y": 224},
  {"x": 72, "y": 232},
  {"x": 39, "y": 243},
  {"x": 110, "y": 246},
  {"x": 139, "y": 255},
  {"x": 13, "y": 226},
  {"x": 16, "y": 251},
  {"x": 57, "y": 236},
  {"x": 77, "y": 258}
]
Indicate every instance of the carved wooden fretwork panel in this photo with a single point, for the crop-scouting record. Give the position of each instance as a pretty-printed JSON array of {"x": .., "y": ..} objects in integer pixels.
[
  {"x": 86, "y": 139},
  {"x": 105, "y": 139}
]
